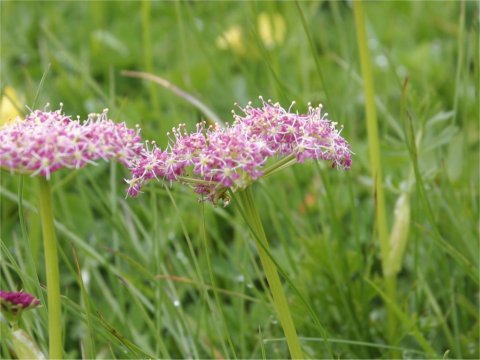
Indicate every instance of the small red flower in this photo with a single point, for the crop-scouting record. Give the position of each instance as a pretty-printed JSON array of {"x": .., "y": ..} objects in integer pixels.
[{"x": 14, "y": 302}]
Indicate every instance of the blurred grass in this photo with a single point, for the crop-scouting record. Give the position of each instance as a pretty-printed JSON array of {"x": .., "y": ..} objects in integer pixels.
[{"x": 140, "y": 284}]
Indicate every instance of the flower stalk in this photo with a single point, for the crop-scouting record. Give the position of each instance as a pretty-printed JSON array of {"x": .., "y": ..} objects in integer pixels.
[
  {"x": 219, "y": 162},
  {"x": 251, "y": 217},
  {"x": 51, "y": 266}
]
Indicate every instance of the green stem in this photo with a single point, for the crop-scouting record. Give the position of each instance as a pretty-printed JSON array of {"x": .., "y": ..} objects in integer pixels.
[
  {"x": 250, "y": 214},
  {"x": 51, "y": 266},
  {"x": 279, "y": 165},
  {"x": 375, "y": 160}
]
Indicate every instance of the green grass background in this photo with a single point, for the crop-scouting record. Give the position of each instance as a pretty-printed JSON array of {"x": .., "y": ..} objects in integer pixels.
[{"x": 135, "y": 274}]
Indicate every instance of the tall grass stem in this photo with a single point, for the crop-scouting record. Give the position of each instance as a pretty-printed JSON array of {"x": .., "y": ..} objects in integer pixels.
[{"x": 375, "y": 159}]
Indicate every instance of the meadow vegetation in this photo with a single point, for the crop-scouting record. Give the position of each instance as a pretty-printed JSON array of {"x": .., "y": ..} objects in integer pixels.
[{"x": 163, "y": 275}]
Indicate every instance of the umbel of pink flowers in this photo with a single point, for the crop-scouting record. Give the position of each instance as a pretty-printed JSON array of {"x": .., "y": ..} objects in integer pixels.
[
  {"x": 215, "y": 159},
  {"x": 46, "y": 141}
]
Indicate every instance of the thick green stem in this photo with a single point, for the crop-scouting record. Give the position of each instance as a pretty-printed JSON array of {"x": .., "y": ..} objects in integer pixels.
[
  {"x": 375, "y": 160},
  {"x": 252, "y": 218},
  {"x": 51, "y": 266}
]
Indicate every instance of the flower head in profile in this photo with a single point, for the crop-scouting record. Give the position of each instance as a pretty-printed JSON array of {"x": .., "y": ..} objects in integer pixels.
[
  {"x": 46, "y": 141},
  {"x": 215, "y": 159},
  {"x": 305, "y": 136},
  {"x": 12, "y": 303}
]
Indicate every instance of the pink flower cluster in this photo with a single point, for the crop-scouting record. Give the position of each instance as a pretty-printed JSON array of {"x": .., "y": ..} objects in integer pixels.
[
  {"x": 216, "y": 159},
  {"x": 12, "y": 301},
  {"x": 45, "y": 142}
]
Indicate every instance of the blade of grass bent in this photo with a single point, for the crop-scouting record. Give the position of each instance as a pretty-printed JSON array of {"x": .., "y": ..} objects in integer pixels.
[{"x": 177, "y": 91}]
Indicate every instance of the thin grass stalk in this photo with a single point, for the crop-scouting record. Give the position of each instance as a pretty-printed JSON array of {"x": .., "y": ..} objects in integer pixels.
[
  {"x": 251, "y": 216},
  {"x": 51, "y": 266},
  {"x": 88, "y": 345},
  {"x": 413, "y": 329},
  {"x": 375, "y": 160},
  {"x": 314, "y": 53},
  {"x": 215, "y": 291},
  {"x": 200, "y": 276},
  {"x": 147, "y": 50},
  {"x": 460, "y": 58},
  {"x": 159, "y": 298}
]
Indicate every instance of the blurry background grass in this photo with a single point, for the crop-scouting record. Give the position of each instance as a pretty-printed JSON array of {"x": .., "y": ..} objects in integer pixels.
[{"x": 135, "y": 272}]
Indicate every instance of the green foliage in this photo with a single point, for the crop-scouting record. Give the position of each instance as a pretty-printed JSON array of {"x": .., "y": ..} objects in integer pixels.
[{"x": 164, "y": 276}]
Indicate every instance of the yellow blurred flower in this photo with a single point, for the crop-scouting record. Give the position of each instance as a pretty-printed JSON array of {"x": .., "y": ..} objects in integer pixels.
[
  {"x": 9, "y": 105},
  {"x": 232, "y": 39},
  {"x": 272, "y": 29}
]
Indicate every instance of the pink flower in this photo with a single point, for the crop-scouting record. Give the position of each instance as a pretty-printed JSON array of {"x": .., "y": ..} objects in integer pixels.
[
  {"x": 216, "y": 159},
  {"x": 13, "y": 302},
  {"x": 307, "y": 136},
  {"x": 211, "y": 160},
  {"x": 45, "y": 142}
]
